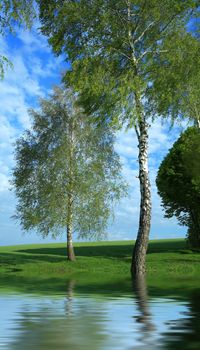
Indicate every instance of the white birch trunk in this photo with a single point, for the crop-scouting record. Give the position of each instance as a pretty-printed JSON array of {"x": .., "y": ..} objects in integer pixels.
[{"x": 138, "y": 266}]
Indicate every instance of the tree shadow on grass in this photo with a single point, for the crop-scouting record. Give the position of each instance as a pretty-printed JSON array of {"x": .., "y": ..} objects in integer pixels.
[
  {"x": 18, "y": 257},
  {"x": 110, "y": 251},
  {"x": 11, "y": 261},
  {"x": 58, "y": 254},
  {"x": 166, "y": 246}
]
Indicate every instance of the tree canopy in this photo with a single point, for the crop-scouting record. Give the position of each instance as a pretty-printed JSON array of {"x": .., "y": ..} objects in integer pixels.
[
  {"x": 178, "y": 182},
  {"x": 119, "y": 47},
  {"x": 67, "y": 173}
]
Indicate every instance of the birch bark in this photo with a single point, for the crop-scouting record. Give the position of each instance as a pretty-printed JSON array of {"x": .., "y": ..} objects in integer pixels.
[
  {"x": 70, "y": 248},
  {"x": 138, "y": 265}
]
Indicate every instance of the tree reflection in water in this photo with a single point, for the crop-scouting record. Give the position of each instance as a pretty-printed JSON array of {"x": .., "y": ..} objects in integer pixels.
[
  {"x": 59, "y": 323},
  {"x": 84, "y": 319},
  {"x": 185, "y": 333},
  {"x": 144, "y": 318},
  {"x": 69, "y": 298}
]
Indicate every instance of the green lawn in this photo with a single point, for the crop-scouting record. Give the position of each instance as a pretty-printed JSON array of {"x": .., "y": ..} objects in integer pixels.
[{"x": 170, "y": 264}]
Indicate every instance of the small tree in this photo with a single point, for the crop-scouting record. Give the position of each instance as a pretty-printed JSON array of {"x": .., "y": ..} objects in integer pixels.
[
  {"x": 178, "y": 183},
  {"x": 67, "y": 174}
]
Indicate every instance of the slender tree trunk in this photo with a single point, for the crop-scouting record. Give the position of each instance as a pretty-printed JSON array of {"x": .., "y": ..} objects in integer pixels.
[
  {"x": 70, "y": 248},
  {"x": 138, "y": 266}
]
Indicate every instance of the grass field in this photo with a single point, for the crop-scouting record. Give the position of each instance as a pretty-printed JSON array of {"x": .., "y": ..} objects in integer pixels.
[{"x": 170, "y": 265}]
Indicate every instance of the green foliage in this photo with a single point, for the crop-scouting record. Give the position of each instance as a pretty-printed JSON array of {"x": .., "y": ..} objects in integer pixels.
[
  {"x": 4, "y": 62},
  {"x": 175, "y": 77},
  {"x": 122, "y": 48},
  {"x": 65, "y": 156},
  {"x": 178, "y": 182},
  {"x": 14, "y": 13}
]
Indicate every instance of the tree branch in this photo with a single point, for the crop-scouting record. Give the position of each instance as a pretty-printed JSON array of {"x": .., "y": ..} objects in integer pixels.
[
  {"x": 137, "y": 132},
  {"x": 151, "y": 51},
  {"x": 121, "y": 53},
  {"x": 139, "y": 16},
  {"x": 143, "y": 33}
]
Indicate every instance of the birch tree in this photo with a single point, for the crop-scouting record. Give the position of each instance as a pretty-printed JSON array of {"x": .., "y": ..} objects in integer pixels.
[
  {"x": 67, "y": 174},
  {"x": 115, "y": 48}
]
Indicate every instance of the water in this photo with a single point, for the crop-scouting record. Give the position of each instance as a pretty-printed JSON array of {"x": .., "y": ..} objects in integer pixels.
[{"x": 72, "y": 320}]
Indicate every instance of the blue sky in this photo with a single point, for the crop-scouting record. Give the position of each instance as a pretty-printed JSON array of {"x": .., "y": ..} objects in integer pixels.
[{"x": 35, "y": 71}]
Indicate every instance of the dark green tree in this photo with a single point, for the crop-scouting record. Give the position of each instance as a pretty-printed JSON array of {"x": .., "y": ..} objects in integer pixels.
[
  {"x": 14, "y": 13},
  {"x": 115, "y": 49},
  {"x": 178, "y": 183},
  {"x": 67, "y": 174}
]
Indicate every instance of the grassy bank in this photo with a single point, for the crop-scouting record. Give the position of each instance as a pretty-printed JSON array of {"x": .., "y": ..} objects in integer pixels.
[
  {"x": 166, "y": 257},
  {"x": 169, "y": 264}
]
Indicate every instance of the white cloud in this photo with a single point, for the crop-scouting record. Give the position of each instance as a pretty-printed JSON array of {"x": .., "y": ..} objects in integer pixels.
[
  {"x": 159, "y": 139},
  {"x": 33, "y": 41},
  {"x": 126, "y": 144},
  {"x": 4, "y": 183}
]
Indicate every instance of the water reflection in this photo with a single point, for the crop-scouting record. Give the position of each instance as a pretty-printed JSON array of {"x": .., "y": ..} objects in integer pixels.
[
  {"x": 69, "y": 298},
  {"x": 144, "y": 318},
  {"x": 74, "y": 320},
  {"x": 184, "y": 333},
  {"x": 43, "y": 324}
]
